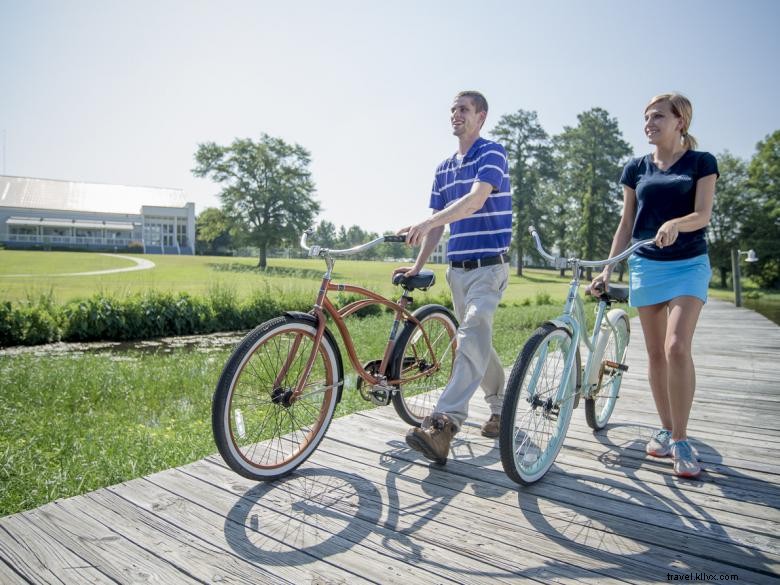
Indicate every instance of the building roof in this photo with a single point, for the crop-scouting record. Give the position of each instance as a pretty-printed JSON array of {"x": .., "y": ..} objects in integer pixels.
[
  {"x": 26, "y": 192},
  {"x": 81, "y": 224}
]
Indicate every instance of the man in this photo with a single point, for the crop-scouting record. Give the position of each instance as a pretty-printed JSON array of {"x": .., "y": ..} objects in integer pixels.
[{"x": 471, "y": 193}]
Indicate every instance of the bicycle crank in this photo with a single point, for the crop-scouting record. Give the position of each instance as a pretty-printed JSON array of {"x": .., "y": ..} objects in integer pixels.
[{"x": 375, "y": 394}]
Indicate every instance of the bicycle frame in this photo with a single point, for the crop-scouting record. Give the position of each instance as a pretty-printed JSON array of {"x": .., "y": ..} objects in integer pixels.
[
  {"x": 323, "y": 306},
  {"x": 573, "y": 315}
]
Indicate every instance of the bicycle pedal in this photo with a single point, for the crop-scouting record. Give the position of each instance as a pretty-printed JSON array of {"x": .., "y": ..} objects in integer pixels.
[{"x": 616, "y": 366}]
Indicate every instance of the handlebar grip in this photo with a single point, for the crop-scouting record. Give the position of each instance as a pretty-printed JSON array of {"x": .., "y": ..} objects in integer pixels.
[{"x": 401, "y": 238}]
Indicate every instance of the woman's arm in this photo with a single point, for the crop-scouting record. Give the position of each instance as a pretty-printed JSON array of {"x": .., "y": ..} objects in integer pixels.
[{"x": 702, "y": 211}]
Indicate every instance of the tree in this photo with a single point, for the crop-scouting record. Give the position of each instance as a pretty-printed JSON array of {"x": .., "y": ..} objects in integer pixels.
[
  {"x": 530, "y": 163},
  {"x": 730, "y": 209},
  {"x": 355, "y": 236},
  {"x": 268, "y": 190},
  {"x": 589, "y": 159},
  {"x": 325, "y": 234},
  {"x": 762, "y": 228},
  {"x": 212, "y": 231}
]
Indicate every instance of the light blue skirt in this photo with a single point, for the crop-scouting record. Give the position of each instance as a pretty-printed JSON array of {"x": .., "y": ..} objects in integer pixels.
[{"x": 657, "y": 281}]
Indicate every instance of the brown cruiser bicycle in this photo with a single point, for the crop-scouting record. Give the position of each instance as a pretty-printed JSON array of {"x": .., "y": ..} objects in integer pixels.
[{"x": 278, "y": 391}]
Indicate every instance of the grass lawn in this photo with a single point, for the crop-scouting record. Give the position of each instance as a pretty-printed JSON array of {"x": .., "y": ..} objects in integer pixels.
[{"x": 200, "y": 274}]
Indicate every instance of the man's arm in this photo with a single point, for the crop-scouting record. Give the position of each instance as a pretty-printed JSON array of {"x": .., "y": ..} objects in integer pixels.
[
  {"x": 463, "y": 207},
  {"x": 428, "y": 244}
]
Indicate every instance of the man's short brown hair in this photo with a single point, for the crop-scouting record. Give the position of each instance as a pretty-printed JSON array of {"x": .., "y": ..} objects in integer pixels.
[{"x": 480, "y": 103}]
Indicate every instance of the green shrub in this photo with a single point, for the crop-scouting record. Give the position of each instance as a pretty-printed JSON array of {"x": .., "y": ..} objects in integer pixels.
[
  {"x": 160, "y": 314},
  {"x": 40, "y": 326},
  {"x": 266, "y": 304},
  {"x": 543, "y": 298},
  {"x": 9, "y": 324},
  {"x": 28, "y": 323},
  {"x": 225, "y": 309},
  {"x": 97, "y": 317}
]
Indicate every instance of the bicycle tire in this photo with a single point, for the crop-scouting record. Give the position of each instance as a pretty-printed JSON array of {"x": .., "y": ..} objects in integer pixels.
[
  {"x": 261, "y": 431},
  {"x": 416, "y": 399},
  {"x": 600, "y": 405},
  {"x": 532, "y": 431}
]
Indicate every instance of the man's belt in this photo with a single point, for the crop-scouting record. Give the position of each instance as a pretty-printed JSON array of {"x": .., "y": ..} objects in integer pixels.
[{"x": 479, "y": 262}]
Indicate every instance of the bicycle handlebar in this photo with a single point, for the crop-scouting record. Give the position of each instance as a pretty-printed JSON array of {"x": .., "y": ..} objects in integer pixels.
[
  {"x": 560, "y": 262},
  {"x": 321, "y": 251}
]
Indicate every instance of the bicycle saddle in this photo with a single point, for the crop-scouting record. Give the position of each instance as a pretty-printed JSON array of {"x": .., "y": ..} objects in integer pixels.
[
  {"x": 423, "y": 280},
  {"x": 616, "y": 292}
]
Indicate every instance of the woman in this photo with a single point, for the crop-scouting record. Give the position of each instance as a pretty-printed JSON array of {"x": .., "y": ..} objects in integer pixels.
[{"x": 668, "y": 195}]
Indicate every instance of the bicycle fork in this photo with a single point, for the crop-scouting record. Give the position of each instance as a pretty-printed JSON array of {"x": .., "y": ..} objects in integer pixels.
[{"x": 552, "y": 404}]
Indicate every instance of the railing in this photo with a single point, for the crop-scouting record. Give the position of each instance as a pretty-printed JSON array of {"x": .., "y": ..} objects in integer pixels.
[{"x": 69, "y": 240}]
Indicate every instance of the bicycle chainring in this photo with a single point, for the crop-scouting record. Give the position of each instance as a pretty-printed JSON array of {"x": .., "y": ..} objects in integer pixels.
[{"x": 374, "y": 394}]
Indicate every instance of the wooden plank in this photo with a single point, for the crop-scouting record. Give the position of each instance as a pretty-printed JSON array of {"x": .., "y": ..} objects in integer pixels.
[
  {"x": 187, "y": 506},
  {"x": 632, "y": 512},
  {"x": 183, "y": 547},
  {"x": 761, "y": 492},
  {"x": 119, "y": 560},
  {"x": 488, "y": 511},
  {"x": 353, "y": 537},
  {"x": 424, "y": 516},
  {"x": 29, "y": 555}
]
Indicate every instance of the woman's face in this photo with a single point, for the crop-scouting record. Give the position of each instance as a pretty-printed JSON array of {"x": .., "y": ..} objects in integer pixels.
[{"x": 661, "y": 125}]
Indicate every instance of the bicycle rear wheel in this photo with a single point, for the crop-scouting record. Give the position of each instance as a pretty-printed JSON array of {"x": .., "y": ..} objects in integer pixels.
[
  {"x": 601, "y": 404},
  {"x": 533, "y": 424},
  {"x": 418, "y": 394},
  {"x": 262, "y": 430}
]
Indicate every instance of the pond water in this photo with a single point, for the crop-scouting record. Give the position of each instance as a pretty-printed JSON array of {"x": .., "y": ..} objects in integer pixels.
[{"x": 201, "y": 343}]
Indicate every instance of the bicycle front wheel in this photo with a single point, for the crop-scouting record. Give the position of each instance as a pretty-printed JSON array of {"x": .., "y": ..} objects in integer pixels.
[
  {"x": 263, "y": 430},
  {"x": 533, "y": 423},
  {"x": 599, "y": 407},
  {"x": 422, "y": 368}
]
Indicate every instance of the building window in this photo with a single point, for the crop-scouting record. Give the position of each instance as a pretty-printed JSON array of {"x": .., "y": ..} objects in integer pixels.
[{"x": 181, "y": 234}]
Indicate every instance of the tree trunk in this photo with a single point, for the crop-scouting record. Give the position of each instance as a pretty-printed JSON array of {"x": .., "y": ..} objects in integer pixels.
[
  {"x": 621, "y": 270},
  {"x": 263, "y": 260},
  {"x": 723, "y": 277},
  {"x": 519, "y": 261}
]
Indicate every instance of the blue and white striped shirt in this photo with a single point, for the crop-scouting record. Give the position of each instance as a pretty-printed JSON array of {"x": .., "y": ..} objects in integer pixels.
[{"x": 488, "y": 231}]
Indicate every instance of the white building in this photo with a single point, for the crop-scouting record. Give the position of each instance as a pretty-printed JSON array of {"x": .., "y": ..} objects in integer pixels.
[
  {"x": 439, "y": 253},
  {"x": 49, "y": 214}
]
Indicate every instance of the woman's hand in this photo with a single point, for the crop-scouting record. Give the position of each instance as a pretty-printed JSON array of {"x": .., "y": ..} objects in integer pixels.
[
  {"x": 600, "y": 283},
  {"x": 667, "y": 234}
]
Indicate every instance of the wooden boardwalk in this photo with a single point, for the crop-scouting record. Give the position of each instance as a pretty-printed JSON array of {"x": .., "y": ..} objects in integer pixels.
[{"x": 367, "y": 509}]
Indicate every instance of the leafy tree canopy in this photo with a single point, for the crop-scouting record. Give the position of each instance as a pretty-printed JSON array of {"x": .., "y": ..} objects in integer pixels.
[{"x": 267, "y": 189}]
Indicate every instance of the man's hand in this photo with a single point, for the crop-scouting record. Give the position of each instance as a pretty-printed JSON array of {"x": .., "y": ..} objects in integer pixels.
[
  {"x": 415, "y": 234},
  {"x": 407, "y": 271}
]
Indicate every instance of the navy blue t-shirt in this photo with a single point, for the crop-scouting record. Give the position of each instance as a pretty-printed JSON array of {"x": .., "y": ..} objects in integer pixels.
[{"x": 664, "y": 195}]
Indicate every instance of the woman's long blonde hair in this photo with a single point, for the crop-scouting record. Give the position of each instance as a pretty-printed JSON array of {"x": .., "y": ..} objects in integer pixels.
[{"x": 682, "y": 108}]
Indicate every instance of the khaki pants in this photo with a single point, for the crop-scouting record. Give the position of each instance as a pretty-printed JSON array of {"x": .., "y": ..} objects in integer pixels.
[{"x": 475, "y": 295}]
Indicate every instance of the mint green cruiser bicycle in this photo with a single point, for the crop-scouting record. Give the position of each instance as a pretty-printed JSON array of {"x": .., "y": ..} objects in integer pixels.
[{"x": 546, "y": 382}]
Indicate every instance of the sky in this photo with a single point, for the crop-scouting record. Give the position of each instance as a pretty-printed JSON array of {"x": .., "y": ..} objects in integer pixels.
[{"x": 111, "y": 91}]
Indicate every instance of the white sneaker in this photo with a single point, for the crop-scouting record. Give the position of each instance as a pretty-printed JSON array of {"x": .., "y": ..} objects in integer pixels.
[
  {"x": 685, "y": 463},
  {"x": 660, "y": 444}
]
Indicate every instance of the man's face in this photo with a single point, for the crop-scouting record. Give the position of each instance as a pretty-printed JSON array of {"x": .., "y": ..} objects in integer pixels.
[{"x": 464, "y": 117}]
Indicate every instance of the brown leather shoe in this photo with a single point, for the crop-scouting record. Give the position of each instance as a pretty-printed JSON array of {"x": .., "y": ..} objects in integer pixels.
[
  {"x": 490, "y": 426},
  {"x": 433, "y": 438}
]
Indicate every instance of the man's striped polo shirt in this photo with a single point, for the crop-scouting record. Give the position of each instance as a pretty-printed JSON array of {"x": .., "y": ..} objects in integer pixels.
[{"x": 489, "y": 230}]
